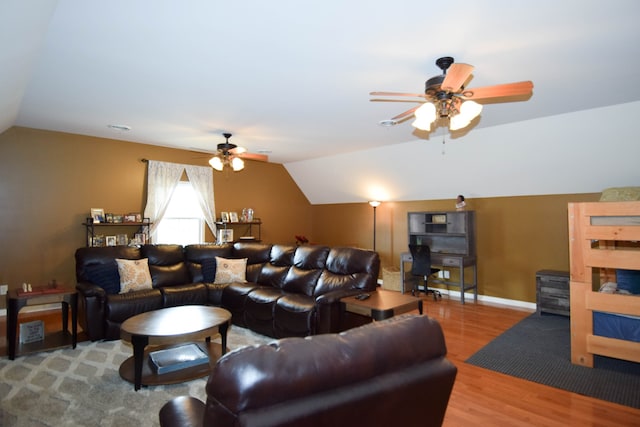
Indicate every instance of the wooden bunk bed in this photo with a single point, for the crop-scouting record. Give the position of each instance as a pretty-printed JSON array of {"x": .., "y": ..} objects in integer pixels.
[{"x": 603, "y": 236}]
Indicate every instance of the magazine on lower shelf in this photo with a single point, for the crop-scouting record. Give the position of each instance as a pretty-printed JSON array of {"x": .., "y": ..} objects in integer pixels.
[{"x": 177, "y": 358}]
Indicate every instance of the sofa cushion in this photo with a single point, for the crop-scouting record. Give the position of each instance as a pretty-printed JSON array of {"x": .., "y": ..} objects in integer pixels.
[
  {"x": 134, "y": 275},
  {"x": 169, "y": 275},
  {"x": 105, "y": 275},
  {"x": 230, "y": 270}
]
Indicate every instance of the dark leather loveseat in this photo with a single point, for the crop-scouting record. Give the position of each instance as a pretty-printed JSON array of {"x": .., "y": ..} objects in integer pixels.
[
  {"x": 289, "y": 290},
  {"x": 388, "y": 373}
]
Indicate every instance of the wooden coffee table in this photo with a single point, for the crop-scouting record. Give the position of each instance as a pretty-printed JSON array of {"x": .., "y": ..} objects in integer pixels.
[
  {"x": 380, "y": 305},
  {"x": 165, "y": 328}
]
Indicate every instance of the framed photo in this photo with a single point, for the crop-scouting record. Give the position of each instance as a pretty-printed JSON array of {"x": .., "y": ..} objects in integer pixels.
[
  {"x": 122, "y": 240},
  {"x": 225, "y": 236},
  {"x": 233, "y": 216},
  {"x": 108, "y": 217},
  {"x": 110, "y": 240},
  {"x": 138, "y": 217},
  {"x": 117, "y": 219},
  {"x": 129, "y": 218},
  {"x": 97, "y": 214},
  {"x": 98, "y": 241},
  {"x": 141, "y": 238},
  {"x": 224, "y": 216}
]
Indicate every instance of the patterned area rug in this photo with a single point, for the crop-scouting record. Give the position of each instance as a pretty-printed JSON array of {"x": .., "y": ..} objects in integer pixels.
[{"x": 82, "y": 387}]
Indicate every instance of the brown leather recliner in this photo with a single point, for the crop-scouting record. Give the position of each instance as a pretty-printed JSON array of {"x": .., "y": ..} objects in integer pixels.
[
  {"x": 289, "y": 291},
  {"x": 388, "y": 373}
]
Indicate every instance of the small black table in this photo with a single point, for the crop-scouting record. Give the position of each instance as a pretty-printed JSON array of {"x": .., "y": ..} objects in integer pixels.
[{"x": 18, "y": 299}]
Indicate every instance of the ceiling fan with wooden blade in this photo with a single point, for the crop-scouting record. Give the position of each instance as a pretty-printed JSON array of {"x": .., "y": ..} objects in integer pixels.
[
  {"x": 231, "y": 155},
  {"x": 445, "y": 96}
]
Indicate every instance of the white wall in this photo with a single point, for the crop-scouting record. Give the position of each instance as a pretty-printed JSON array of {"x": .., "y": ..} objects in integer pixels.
[{"x": 582, "y": 152}]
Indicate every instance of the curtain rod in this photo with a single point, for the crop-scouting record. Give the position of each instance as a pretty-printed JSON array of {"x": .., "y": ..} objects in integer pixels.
[{"x": 144, "y": 160}]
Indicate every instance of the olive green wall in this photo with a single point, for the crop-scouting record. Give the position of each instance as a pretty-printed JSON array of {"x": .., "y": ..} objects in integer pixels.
[
  {"x": 516, "y": 236},
  {"x": 50, "y": 180}
]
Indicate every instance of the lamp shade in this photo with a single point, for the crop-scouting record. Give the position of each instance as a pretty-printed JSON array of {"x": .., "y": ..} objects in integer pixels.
[
  {"x": 237, "y": 164},
  {"x": 425, "y": 116},
  {"x": 216, "y": 163},
  {"x": 470, "y": 109}
]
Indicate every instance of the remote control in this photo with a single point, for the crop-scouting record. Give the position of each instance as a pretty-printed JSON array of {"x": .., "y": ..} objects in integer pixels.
[{"x": 362, "y": 297}]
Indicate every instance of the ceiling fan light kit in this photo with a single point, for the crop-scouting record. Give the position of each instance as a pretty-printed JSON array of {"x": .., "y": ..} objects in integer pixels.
[
  {"x": 229, "y": 155},
  {"x": 447, "y": 98}
]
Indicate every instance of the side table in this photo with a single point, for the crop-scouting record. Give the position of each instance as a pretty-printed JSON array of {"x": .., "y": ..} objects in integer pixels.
[
  {"x": 17, "y": 299},
  {"x": 381, "y": 304}
]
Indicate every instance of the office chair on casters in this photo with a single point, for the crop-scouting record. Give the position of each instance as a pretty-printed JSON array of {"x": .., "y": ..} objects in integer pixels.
[{"x": 421, "y": 266}]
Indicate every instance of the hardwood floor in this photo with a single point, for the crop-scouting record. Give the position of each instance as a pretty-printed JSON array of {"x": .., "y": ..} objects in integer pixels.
[{"x": 481, "y": 397}]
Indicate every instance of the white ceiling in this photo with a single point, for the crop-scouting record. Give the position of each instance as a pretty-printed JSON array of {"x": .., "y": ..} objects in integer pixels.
[{"x": 293, "y": 77}]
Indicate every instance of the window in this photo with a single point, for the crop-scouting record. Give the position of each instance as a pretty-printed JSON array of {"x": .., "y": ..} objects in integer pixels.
[{"x": 183, "y": 222}]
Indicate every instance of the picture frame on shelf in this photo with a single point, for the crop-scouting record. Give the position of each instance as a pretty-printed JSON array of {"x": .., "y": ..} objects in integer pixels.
[
  {"x": 110, "y": 240},
  {"x": 97, "y": 241},
  {"x": 97, "y": 214},
  {"x": 141, "y": 238},
  {"x": 117, "y": 219},
  {"x": 233, "y": 216},
  {"x": 129, "y": 217},
  {"x": 224, "y": 216},
  {"x": 225, "y": 236},
  {"x": 108, "y": 217},
  {"x": 122, "y": 240}
]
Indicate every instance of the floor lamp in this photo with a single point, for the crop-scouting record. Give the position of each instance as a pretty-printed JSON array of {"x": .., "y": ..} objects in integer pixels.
[{"x": 374, "y": 204}]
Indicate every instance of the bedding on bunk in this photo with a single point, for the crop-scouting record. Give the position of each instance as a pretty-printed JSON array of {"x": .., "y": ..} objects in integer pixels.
[{"x": 620, "y": 326}]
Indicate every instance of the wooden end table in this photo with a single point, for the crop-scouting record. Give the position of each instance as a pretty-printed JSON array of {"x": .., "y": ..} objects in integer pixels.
[
  {"x": 167, "y": 327},
  {"x": 380, "y": 305},
  {"x": 18, "y": 299}
]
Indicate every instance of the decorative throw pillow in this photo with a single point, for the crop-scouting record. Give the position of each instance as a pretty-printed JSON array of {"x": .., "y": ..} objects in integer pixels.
[
  {"x": 106, "y": 276},
  {"x": 134, "y": 274},
  {"x": 230, "y": 270},
  {"x": 209, "y": 270}
]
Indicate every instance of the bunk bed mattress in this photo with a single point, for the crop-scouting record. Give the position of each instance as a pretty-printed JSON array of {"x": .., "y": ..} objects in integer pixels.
[{"x": 620, "y": 326}]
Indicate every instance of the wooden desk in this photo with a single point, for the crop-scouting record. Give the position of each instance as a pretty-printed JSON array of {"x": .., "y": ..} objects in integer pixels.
[
  {"x": 17, "y": 299},
  {"x": 381, "y": 304},
  {"x": 445, "y": 261}
]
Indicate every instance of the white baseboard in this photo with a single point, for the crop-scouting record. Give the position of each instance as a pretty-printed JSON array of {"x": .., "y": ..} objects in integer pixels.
[{"x": 489, "y": 299}]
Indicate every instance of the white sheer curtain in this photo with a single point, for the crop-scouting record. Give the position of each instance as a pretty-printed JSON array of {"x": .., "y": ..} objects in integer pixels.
[
  {"x": 201, "y": 179},
  {"x": 163, "y": 178}
]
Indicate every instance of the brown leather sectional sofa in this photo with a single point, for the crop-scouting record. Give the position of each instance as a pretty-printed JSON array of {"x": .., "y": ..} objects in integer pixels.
[
  {"x": 289, "y": 291},
  {"x": 388, "y": 373}
]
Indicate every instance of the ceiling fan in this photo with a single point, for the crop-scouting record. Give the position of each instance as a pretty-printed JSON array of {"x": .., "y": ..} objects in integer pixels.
[
  {"x": 447, "y": 97},
  {"x": 231, "y": 155}
]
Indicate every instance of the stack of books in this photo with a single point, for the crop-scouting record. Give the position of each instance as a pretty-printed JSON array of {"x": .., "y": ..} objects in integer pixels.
[{"x": 177, "y": 358}]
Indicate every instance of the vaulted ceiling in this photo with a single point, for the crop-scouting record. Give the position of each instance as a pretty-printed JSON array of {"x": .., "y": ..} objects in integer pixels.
[{"x": 292, "y": 79}]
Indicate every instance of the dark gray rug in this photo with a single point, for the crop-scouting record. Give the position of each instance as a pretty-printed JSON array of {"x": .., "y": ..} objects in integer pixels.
[{"x": 538, "y": 349}]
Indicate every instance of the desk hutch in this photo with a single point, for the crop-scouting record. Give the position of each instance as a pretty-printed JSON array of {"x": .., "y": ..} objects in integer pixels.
[{"x": 452, "y": 239}]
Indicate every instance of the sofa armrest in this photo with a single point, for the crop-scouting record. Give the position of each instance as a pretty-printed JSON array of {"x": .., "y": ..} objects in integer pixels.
[
  {"x": 335, "y": 296},
  {"x": 87, "y": 289},
  {"x": 328, "y": 310},
  {"x": 182, "y": 411},
  {"x": 91, "y": 302}
]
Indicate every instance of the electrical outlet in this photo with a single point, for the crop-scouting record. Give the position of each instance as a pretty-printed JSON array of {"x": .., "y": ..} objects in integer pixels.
[
  {"x": 4, "y": 289},
  {"x": 446, "y": 274},
  {"x": 440, "y": 274}
]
